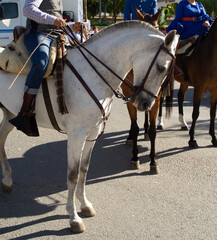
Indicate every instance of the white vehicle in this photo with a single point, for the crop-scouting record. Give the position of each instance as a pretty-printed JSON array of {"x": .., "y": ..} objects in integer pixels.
[{"x": 11, "y": 15}]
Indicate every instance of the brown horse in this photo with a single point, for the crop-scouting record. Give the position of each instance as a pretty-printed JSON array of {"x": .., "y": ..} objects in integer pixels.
[
  {"x": 202, "y": 71},
  {"x": 134, "y": 129}
]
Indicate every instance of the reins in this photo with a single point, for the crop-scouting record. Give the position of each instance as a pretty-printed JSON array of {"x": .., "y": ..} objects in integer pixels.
[{"x": 79, "y": 46}]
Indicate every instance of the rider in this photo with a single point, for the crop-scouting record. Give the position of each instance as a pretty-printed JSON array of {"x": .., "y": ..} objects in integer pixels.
[
  {"x": 43, "y": 16},
  {"x": 190, "y": 20},
  {"x": 146, "y": 6}
]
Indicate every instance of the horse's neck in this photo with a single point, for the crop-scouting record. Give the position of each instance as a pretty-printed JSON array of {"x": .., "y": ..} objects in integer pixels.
[
  {"x": 115, "y": 51},
  {"x": 210, "y": 40}
]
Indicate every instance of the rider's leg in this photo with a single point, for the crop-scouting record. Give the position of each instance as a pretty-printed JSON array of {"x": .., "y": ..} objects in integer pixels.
[{"x": 25, "y": 121}]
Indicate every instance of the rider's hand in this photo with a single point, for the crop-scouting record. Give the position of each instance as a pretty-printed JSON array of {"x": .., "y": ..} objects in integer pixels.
[
  {"x": 60, "y": 22},
  {"x": 77, "y": 27},
  {"x": 206, "y": 24}
]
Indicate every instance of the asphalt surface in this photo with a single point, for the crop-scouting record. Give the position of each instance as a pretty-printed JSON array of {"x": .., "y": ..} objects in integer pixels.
[{"x": 177, "y": 204}]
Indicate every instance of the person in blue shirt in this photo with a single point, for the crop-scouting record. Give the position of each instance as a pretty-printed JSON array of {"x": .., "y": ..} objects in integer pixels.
[
  {"x": 190, "y": 20},
  {"x": 146, "y": 6}
]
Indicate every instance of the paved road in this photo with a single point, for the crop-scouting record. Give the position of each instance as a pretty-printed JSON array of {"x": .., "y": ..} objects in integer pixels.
[{"x": 177, "y": 204}]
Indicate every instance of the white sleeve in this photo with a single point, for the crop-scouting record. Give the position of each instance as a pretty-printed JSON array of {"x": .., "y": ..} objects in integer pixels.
[{"x": 31, "y": 10}]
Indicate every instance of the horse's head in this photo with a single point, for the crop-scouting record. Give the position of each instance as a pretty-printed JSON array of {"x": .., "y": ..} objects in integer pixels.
[
  {"x": 148, "y": 18},
  {"x": 149, "y": 77}
]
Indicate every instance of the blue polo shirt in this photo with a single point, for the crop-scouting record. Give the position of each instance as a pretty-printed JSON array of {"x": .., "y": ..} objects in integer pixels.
[
  {"x": 190, "y": 28},
  {"x": 147, "y": 6}
]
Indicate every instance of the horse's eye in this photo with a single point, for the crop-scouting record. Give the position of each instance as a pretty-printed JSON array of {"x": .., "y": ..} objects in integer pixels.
[{"x": 161, "y": 68}]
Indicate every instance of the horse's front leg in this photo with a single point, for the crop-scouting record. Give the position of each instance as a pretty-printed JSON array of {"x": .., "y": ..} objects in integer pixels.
[
  {"x": 196, "y": 106},
  {"x": 152, "y": 135},
  {"x": 76, "y": 140},
  {"x": 87, "y": 209},
  {"x": 146, "y": 127},
  {"x": 133, "y": 135},
  {"x": 5, "y": 129},
  {"x": 213, "y": 103},
  {"x": 133, "y": 117},
  {"x": 181, "y": 97},
  {"x": 160, "y": 124}
]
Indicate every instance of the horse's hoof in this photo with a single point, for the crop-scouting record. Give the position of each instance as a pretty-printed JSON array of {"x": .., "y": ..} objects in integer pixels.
[
  {"x": 77, "y": 227},
  {"x": 160, "y": 127},
  {"x": 192, "y": 144},
  {"x": 146, "y": 137},
  {"x": 184, "y": 128},
  {"x": 129, "y": 142},
  {"x": 134, "y": 165},
  {"x": 154, "y": 169},
  {"x": 214, "y": 143},
  {"x": 5, "y": 188},
  {"x": 88, "y": 212}
]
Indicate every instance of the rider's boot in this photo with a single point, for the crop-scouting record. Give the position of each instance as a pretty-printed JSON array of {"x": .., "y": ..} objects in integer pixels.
[{"x": 25, "y": 120}]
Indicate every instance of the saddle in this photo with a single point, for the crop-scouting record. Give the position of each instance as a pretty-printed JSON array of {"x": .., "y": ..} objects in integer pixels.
[
  {"x": 187, "y": 46},
  {"x": 15, "y": 55},
  {"x": 185, "y": 49}
]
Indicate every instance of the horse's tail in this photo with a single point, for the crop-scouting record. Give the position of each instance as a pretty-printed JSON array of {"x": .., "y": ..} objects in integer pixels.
[{"x": 169, "y": 99}]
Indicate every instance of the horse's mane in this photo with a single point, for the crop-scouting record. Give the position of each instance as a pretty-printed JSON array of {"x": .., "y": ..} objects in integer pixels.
[{"x": 121, "y": 25}]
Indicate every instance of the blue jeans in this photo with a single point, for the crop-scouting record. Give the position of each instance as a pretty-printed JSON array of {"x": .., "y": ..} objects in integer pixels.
[{"x": 40, "y": 59}]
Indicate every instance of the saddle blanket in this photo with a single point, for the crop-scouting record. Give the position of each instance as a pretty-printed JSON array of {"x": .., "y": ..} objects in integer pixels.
[{"x": 15, "y": 55}]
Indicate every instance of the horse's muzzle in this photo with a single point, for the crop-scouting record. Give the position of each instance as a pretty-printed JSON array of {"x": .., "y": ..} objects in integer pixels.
[{"x": 140, "y": 103}]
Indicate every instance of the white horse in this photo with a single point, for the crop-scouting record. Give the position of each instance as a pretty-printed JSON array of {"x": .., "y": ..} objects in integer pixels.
[{"x": 123, "y": 46}]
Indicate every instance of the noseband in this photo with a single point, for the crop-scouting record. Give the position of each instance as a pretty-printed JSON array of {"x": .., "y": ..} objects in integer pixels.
[{"x": 139, "y": 89}]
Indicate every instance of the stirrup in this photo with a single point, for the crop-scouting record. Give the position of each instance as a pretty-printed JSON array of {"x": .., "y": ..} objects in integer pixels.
[{"x": 26, "y": 123}]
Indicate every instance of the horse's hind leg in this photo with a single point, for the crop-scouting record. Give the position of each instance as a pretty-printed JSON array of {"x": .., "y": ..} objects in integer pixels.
[
  {"x": 213, "y": 103},
  {"x": 181, "y": 96},
  {"x": 5, "y": 128},
  {"x": 196, "y": 106}
]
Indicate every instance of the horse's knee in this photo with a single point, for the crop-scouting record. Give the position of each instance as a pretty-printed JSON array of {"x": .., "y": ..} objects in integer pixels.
[{"x": 73, "y": 175}]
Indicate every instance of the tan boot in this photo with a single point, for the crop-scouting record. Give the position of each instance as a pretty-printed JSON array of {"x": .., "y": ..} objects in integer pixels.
[{"x": 25, "y": 120}]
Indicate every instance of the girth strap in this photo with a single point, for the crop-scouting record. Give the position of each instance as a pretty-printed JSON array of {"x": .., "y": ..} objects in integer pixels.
[{"x": 48, "y": 105}]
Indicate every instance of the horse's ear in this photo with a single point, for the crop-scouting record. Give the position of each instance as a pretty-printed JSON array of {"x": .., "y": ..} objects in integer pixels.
[
  {"x": 171, "y": 41},
  {"x": 139, "y": 15},
  {"x": 156, "y": 16},
  {"x": 170, "y": 37}
]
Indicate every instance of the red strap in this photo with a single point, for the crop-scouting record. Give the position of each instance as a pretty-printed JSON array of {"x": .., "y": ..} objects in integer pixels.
[{"x": 189, "y": 18}]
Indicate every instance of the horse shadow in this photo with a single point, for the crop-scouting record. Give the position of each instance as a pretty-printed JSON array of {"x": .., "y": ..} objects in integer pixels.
[{"x": 42, "y": 171}]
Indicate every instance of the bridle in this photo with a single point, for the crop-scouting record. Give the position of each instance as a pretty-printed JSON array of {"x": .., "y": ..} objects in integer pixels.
[{"x": 141, "y": 88}]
